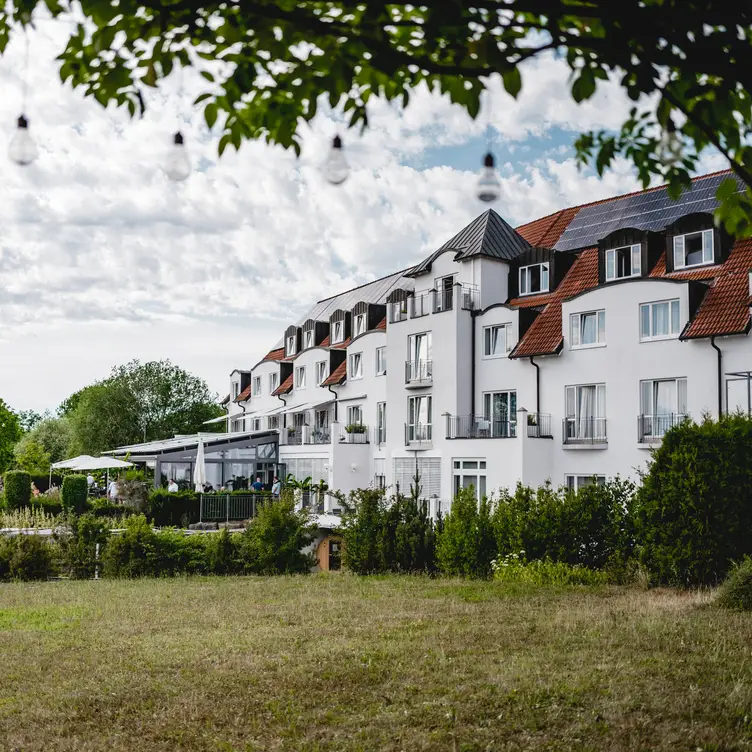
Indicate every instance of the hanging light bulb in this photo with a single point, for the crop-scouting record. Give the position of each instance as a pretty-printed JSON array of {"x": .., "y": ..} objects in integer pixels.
[
  {"x": 177, "y": 167},
  {"x": 670, "y": 145},
  {"x": 489, "y": 187},
  {"x": 22, "y": 149},
  {"x": 336, "y": 168}
]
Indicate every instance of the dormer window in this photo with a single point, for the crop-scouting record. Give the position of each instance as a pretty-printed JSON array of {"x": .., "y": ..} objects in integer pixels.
[
  {"x": 623, "y": 262},
  {"x": 256, "y": 386},
  {"x": 533, "y": 279},
  {"x": 338, "y": 335},
  {"x": 693, "y": 249},
  {"x": 360, "y": 324},
  {"x": 290, "y": 348},
  {"x": 308, "y": 338}
]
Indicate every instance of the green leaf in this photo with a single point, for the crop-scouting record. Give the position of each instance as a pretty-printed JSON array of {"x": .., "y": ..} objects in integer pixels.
[
  {"x": 584, "y": 85},
  {"x": 208, "y": 76},
  {"x": 210, "y": 114},
  {"x": 512, "y": 81}
]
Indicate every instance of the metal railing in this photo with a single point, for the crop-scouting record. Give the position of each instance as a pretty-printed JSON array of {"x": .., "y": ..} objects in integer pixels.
[
  {"x": 292, "y": 436},
  {"x": 418, "y": 371},
  {"x": 584, "y": 431},
  {"x": 479, "y": 427},
  {"x": 539, "y": 426},
  {"x": 654, "y": 427},
  {"x": 469, "y": 298},
  {"x": 443, "y": 300},
  {"x": 420, "y": 305},
  {"x": 398, "y": 312},
  {"x": 319, "y": 435},
  {"x": 418, "y": 434},
  {"x": 217, "y": 507},
  {"x": 357, "y": 434}
]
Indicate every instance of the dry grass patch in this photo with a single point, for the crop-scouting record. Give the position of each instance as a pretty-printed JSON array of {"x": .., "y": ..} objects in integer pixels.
[{"x": 393, "y": 663}]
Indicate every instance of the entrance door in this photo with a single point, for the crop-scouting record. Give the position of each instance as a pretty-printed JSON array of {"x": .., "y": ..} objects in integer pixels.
[{"x": 500, "y": 408}]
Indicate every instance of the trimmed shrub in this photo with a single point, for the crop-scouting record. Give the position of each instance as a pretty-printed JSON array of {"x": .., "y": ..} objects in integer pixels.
[
  {"x": 17, "y": 489},
  {"x": 75, "y": 493},
  {"x": 25, "y": 557},
  {"x": 693, "y": 511},
  {"x": 77, "y": 546},
  {"x": 172, "y": 509},
  {"x": 736, "y": 591}
]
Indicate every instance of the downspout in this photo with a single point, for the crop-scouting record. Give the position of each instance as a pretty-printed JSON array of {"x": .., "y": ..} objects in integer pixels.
[
  {"x": 720, "y": 375},
  {"x": 537, "y": 383},
  {"x": 329, "y": 387},
  {"x": 284, "y": 402},
  {"x": 472, "y": 363}
]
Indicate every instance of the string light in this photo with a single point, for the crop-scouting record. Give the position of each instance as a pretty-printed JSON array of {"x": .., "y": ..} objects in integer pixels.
[
  {"x": 488, "y": 187},
  {"x": 177, "y": 166},
  {"x": 336, "y": 168},
  {"x": 22, "y": 150},
  {"x": 670, "y": 145}
]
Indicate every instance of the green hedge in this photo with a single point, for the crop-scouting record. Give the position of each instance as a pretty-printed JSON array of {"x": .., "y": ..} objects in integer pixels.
[
  {"x": 26, "y": 557},
  {"x": 17, "y": 489},
  {"x": 75, "y": 493}
]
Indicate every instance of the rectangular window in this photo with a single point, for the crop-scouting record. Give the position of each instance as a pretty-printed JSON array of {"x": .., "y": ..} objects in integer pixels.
[
  {"x": 663, "y": 404},
  {"x": 380, "y": 361},
  {"x": 419, "y": 353},
  {"x": 576, "y": 482},
  {"x": 257, "y": 424},
  {"x": 321, "y": 372},
  {"x": 360, "y": 324},
  {"x": 586, "y": 413},
  {"x": 499, "y": 414},
  {"x": 300, "y": 378},
  {"x": 623, "y": 262},
  {"x": 338, "y": 335},
  {"x": 533, "y": 279},
  {"x": 309, "y": 338},
  {"x": 272, "y": 422},
  {"x": 238, "y": 425},
  {"x": 398, "y": 311},
  {"x": 257, "y": 386},
  {"x": 273, "y": 382},
  {"x": 381, "y": 422},
  {"x": 588, "y": 329},
  {"x": 356, "y": 366},
  {"x": 497, "y": 340},
  {"x": 235, "y": 389},
  {"x": 419, "y": 418},
  {"x": 693, "y": 249},
  {"x": 299, "y": 420},
  {"x": 659, "y": 320},
  {"x": 290, "y": 349},
  {"x": 469, "y": 473},
  {"x": 355, "y": 415},
  {"x": 379, "y": 481},
  {"x": 444, "y": 300}
]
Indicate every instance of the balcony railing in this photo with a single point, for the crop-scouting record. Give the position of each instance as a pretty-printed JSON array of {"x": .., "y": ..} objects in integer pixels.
[
  {"x": 398, "y": 312},
  {"x": 418, "y": 434},
  {"x": 584, "y": 431},
  {"x": 419, "y": 372},
  {"x": 443, "y": 300},
  {"x": 355, "y": 433},
  {"x": 469, "y": 298},
  {"x": 420, "y": 305},
  {"x": 479, "y": 427},
  {"x": 292, "y": 436},
  {"x": 539, "y": 426},
  {"x": 319, "y": 435},
  {"x": 653, "y": 427}
]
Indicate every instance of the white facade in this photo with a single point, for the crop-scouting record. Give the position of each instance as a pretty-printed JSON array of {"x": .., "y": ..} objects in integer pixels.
[{"x": 593, "y": 405}]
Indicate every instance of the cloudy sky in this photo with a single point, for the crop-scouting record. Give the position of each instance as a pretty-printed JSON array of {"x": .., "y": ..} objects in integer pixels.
[{"x": 103, "y": 260}]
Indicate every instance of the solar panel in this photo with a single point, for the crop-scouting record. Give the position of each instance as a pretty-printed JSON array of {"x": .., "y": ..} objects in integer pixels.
[{"x": 643, "y": 211}]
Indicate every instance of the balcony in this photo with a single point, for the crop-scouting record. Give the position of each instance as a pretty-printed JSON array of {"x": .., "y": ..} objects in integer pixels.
[
  {"x": 443, "y": 300},
  {"x": 418, "y": 435},
  {"x": 478, "y": 427},
  {"x": 420, "y": 305},
  {"x": 652, "y": 428},
  {"x": 584, "y": 431},
  {"x": 291, "y": 436},
  {"x": 469, "y": 298},
  {"x": 319, "y": 435},
  {"x": 398, "y": 312},
  {"x": 418, "y": 373},
  {"x": 355, "y": 433},
  {"x": 539, "y": 426}
]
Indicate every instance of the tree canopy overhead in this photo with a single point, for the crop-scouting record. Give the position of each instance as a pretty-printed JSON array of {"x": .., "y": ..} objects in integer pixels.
[{"x": 267, "y": 65}]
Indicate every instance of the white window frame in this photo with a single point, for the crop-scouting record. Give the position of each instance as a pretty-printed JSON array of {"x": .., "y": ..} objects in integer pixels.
[
  {"x": 355, "y": 415},
  {"x": 576, "y": 330},
  {"x": 338, "y": 332},
  {"x": 235, "y": 389},
  {"x": 466, "y": 468},
  {"x": 680, "y": 244},
  {"x": 487, "y": 339},
  {"x": 256, "y": 424},
  {"x": 360, "y": 324},
  {"x": 273, "y": 382},
  {"x": 256, "y": 386},
  {"x": 575, "y": 419},
  {"x": 413, "y": 425},
  {"x": 674, "y": 305},
  {"x": 611, "y": 266},
  {"x": 381, "y": 423},
  {"x": 300, "y": 377},
  {"x": 653, "y": 423},
  {"x": 308, "y": 339},
  {"x": 355, "y": 369},
  {"x": 576, "y": 482},
  {"x": 525, "y": 276},
  {"x": 381, "y": 361},
  {"x": 290, "y": 347},
  {"x": 272, "y": 422},
  {"x": 321, "y": 372}
]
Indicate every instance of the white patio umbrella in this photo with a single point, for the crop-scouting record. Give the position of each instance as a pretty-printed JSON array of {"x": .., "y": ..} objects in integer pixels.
[
  {"x": 71, "y": 463},
  {"x": 100, "y": 463},
  {"x": 199, "y": 470}
]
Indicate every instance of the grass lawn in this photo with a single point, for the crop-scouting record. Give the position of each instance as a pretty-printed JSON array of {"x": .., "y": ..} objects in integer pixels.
[{"x": 336, "y": 662}]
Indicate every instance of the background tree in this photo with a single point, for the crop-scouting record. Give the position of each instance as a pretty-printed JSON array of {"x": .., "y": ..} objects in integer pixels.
[
  {"x": 28, "y": 419},
  {"x": 48, "y": 442},
  {"x": 10, "y": 433},
  {"x": 268, "y": 65},
  {"x": 30, "y": 456}
]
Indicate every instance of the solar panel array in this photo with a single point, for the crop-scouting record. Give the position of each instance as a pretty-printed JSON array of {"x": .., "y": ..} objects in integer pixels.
[{"x": 653, "y": 210}]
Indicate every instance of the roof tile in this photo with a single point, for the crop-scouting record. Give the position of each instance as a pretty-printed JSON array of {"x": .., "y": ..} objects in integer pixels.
[
  {"x": 275, "y": 354},
  {"x": 337, "y": 376},
  {"x": 382, "y": 324},
  {"x": 244, "y": 395},
  {"x": 284, "y": 387}
]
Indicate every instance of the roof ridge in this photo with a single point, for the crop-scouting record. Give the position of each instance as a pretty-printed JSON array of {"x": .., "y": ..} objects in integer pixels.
[{"x": 402, "y": 273}]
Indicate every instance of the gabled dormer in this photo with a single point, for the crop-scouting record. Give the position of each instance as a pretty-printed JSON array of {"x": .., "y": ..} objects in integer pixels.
[
  {"x": 339, "y": 327},
  {"x": 538, "y": 271},
  {"x": 627, "y": 253},
  {"x": 313, "y": 333},
  {"x": 396, "y": 303},
  {"x": 292, "y": 341},
  {"x": 365, "y": 317},
  {"x": 694, "y": 240}
]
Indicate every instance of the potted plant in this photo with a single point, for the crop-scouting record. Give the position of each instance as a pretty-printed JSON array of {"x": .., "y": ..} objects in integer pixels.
[{"x": 355, "y": 428}]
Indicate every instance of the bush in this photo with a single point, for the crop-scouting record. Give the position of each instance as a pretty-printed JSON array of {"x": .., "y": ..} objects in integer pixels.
[
  {"x": 736, "y": 591},
  {"x": 131, "y": 554},
  {"x": 17, "y": 489},
  {"x": 514, "y": 568},
  {"x": 25, "y": 557},
  {"x": 693, "y": 513},
  {"x": 362, "y": 532},
  {"x": 77, "y": 546},
  {"x": 75, "y": 493},
  {"x": 172, "y": 509},
  {"x": 466, "y": 546}
]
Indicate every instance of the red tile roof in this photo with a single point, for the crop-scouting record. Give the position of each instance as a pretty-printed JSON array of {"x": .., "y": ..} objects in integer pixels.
[
  {"x": 275, "y": 354},
  {"x": 244, "y": 395},
  {"x": 382, "y": 324},
  {"x": 341, "y": 345},
  {"x": 325, "y": 342},
  {"x": 337, "y": 376},
  {"x": 545, "y": 232},
  {"x": 284, "y": 387}
]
